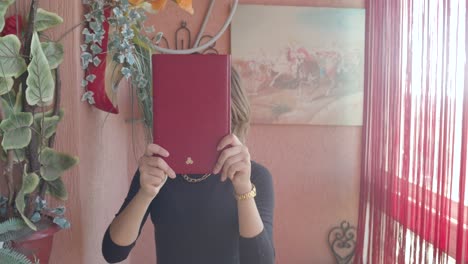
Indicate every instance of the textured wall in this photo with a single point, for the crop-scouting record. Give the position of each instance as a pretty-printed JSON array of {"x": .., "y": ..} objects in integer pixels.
[{"x": 315, "y": 168}]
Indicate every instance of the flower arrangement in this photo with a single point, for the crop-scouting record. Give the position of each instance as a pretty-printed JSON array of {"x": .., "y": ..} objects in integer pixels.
[{"x": 118, "y": 45}]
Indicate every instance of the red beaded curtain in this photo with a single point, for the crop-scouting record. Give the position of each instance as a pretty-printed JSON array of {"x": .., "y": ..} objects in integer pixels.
[{"x": 414, "y": 194}]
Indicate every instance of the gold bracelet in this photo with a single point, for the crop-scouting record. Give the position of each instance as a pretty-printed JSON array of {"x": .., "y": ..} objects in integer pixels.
[{"x": 248, "y": 195}]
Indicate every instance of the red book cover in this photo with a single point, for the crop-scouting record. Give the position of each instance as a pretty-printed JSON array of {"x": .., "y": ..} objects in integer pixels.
[{"x": 191, "y": 101}]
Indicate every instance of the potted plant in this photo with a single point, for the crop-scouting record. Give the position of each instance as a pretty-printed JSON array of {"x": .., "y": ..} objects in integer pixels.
[{"x": 30, "y": 112}]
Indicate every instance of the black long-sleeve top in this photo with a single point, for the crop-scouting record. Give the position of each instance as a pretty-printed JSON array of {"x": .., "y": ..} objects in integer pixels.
[{"x": 198, "y": 223}]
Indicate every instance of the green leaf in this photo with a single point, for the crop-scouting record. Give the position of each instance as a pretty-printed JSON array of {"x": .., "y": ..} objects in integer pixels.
[
  {"x": 4, "y": 4},
  {"x": 48, "y": 113},
  {"x": 8, "y": 256},
  {"x": 36, "y": 217},
  {"x": 20, "y": 205},
  {"x": 30, "y": 181},
  {"x": 24, "y": 232},
  {"x": 46, "y": 20},
  {"x": 19, "y": 155},
  {"x": 50, "y": 126},
  {"x": 55, "y": 163},
  {"x": 47, "y": 124},
  {"x": 57, "y": 189},
  {"x": 58, "y": 211},
  {"x": 62, "y": 222},
  {"x": 11, "y": 103},
  {"x": 17, "y": 131},
  {"x": 54, "y": 53},
  {"x": 21, "y": 119},
  {"x": 29, "y": 184},
  {"x": 18, "y": 234},
  {"x": 40, "y": 81},
  {"x": 10, "y": 225},
  {"x": 8, "y": 103},
  {"x": 11, "y": 62},
  {"x": 5, "y": 85}
]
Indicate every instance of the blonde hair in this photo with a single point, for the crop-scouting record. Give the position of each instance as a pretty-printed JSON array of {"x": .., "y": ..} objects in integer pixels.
[{"x": 240, "y": 107}]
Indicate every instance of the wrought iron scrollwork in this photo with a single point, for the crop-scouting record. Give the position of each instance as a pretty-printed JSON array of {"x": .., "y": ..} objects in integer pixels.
[
  {"x": 342, "y": 242},
  {"x": 183, "y": 40}
]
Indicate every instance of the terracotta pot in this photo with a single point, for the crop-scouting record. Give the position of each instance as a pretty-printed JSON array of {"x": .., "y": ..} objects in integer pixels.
[{"x": 38, "y": 245}]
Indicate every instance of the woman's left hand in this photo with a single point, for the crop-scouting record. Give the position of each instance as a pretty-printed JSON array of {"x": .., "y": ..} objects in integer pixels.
[{"x": 234, "y": 163}]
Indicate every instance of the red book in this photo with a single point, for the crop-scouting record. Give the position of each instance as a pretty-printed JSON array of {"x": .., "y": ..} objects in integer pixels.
[{"x": 191, "y": 101}]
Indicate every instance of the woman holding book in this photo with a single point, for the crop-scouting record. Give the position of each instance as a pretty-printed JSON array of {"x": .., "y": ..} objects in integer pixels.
[{"x": 227, "y": 218}]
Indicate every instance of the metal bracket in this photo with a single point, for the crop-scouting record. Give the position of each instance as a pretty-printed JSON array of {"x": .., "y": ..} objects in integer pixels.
[{"x": 183, "y": 40}]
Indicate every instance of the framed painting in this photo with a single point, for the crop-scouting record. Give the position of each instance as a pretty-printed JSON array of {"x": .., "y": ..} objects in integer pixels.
[{"x": 301, "y": 65}]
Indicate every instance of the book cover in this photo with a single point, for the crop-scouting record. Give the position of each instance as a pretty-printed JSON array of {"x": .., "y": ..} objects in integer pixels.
[{"x": 191, "y": 101}]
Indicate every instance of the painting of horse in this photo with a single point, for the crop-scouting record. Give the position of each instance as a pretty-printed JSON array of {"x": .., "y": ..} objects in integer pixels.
[{"x": 301, "y": 65}]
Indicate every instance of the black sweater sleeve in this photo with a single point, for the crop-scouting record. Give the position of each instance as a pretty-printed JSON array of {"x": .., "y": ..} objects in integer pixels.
[
  {"x": 260, "y": 249},
  {"x": 112, "y": 252}
]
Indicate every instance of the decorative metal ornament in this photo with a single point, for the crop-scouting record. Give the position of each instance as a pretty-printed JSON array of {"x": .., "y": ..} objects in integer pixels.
[
  {"x": 183, "y": 41},
  {"x": 342, "y": 242}
]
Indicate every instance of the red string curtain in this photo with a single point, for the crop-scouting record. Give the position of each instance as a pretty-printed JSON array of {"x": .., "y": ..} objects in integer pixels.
[{"x": 414, "y": 195}]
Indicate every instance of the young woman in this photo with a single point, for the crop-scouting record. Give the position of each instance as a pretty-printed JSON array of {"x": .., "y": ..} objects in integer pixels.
[{"x": 221, "y": 218}]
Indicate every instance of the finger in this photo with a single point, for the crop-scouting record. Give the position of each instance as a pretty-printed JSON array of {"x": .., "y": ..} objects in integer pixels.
[
  {"x": 227, "y": 153},
  {"x": 153, "y": 172},
  {"x": 153, "y": 149},
  {"x": 230, "y": 139},
  {"x": 229, "y": 162},
  {"x": 171, "y": 173},
  {"x": 156, "y": 162},
  {"x": 156, "y": 181},
  {"x": 240, "y": 166},
  {"x": 160, "y": 163}
]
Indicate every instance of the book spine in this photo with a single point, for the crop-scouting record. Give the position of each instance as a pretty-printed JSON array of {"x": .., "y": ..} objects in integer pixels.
[{"x": 228, "y": 99}]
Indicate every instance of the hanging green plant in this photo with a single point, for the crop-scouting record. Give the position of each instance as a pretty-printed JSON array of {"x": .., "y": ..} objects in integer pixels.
[
  {"x": 29, "y": 116},
  {"x": 118, "y": 45}
]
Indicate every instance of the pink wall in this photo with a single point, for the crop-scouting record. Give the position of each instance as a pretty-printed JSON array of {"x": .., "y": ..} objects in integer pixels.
[{"x": 315, "y": 168}]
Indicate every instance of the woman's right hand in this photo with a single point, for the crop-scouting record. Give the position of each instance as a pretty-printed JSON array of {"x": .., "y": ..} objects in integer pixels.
[{"x": 154, "y": 170}]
